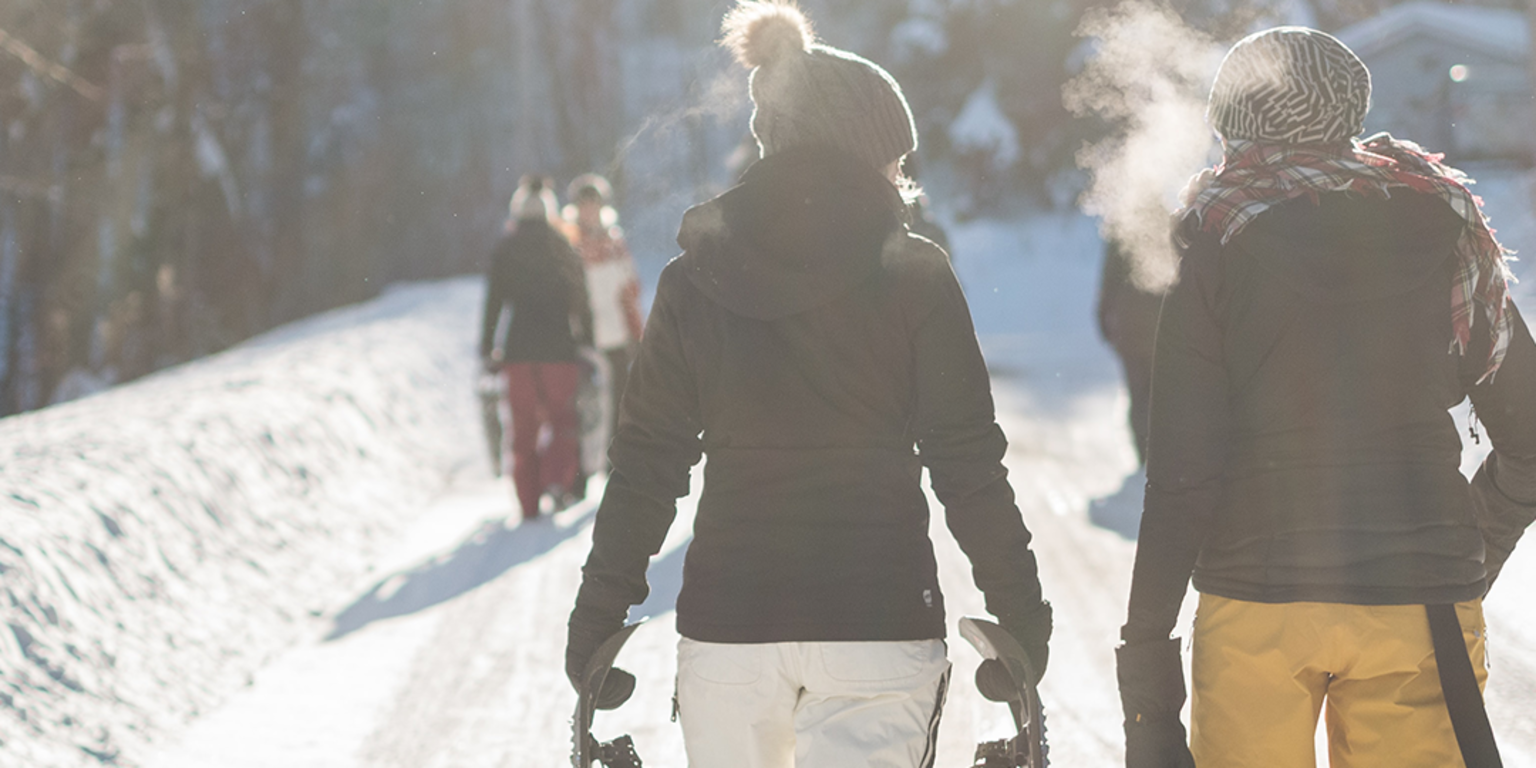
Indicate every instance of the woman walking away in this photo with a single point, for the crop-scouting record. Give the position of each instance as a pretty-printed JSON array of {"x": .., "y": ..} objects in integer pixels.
[
  {"x": 612, "y": 283},
  {"x": 807, "y": 343},
  {"x": 1335, "y": 297},
  {"x": 535, "y": 272}
]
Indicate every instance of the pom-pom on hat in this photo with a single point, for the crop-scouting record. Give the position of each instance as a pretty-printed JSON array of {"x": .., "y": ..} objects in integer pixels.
[
  {"x": 534, "y": 199},
  {"x": 808, "y": 94},
  {"x": 1290, "y": 85}
]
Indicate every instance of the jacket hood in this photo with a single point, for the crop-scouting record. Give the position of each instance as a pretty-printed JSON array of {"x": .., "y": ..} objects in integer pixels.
[
  {"x": 1343, "y": 248},
  {"x": 802, "y": 228}
]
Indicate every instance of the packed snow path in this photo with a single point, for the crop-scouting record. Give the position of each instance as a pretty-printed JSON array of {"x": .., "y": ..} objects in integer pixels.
[{"x": 455, "y": 656}]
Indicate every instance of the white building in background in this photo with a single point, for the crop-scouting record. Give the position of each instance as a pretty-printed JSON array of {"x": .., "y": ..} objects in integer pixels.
[{"x": 1455, "y": 78}]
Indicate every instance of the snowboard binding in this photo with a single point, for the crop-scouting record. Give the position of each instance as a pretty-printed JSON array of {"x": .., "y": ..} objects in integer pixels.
[
  {"x": 1027, "y": 748},
  {"x": 585, "y": 748},
  {"x": 619, "y": 753}
]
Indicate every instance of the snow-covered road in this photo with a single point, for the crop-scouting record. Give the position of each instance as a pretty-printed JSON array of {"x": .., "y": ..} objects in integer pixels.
[{"x": 454, "y": 657}]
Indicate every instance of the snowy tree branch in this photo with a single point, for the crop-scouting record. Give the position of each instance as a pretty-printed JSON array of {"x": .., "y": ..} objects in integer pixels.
[{"x": 51, "y": 69}]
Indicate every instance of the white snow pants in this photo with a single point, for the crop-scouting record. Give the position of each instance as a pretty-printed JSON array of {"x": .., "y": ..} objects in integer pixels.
[{"x": 811, "y": 705}]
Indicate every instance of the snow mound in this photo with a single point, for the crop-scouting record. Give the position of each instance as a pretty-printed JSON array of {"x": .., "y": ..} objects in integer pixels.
[{"x": 161, "y": 540}]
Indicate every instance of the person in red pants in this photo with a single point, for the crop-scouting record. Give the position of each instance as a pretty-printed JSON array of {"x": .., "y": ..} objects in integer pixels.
[{"x": 536, "y": 273}]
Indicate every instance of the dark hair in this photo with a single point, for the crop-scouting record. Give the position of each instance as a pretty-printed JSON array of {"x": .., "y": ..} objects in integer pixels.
[{"x": 589, "y": 186}]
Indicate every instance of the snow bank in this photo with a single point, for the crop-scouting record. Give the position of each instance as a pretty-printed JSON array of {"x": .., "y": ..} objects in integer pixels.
[{"x": 160, "y": 541}]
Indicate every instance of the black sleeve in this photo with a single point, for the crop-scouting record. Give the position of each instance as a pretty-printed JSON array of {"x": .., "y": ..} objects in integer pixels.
[
  {"x": 653, "y": 452},
  {"x": 495, "y": 297},
  {"x": 1504, "y": 489},
  {"x": 962, "y": 446},
  {"x": 1186, "y": 447}
]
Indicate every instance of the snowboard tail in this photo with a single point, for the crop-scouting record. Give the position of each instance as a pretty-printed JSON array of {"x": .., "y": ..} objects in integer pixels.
[
  {"x": 585, "y": 748},
  {"x": 1026, "y": 749}
]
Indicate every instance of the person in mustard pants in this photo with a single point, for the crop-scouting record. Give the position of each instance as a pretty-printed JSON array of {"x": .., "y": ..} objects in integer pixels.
[{"x": 1336, "y": 296}]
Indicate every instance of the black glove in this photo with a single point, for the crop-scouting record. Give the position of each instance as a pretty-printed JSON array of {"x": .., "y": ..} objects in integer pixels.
[
  {"x": 583, "y": 638},
  {"x": 1151, "y": 676},
  {"x": 1033, "y": 631},
  {"x": 1157, "y": 743},
  {"x": 1034, "y": 634},
  {"x": 994, "y": 681}
]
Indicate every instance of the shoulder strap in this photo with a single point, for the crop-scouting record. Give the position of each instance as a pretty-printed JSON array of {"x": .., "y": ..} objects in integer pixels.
[{"x": 1463, "y": 699}]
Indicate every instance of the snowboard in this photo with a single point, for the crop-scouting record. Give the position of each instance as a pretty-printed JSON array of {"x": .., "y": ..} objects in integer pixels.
[
  {"x": 585, "y": 748},
  {"x": 1027, "y": 749},
  {"x": 488, "y": 389}
]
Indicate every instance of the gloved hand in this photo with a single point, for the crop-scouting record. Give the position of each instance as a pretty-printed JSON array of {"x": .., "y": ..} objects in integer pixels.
[
  {"x": 1151, "y": 676},
  {"x": 1033, "y": 631},
  {"x": 1158, "y": 742},
  {"x": 583, "y": 637},
  {"x": 994, "y": 682}
]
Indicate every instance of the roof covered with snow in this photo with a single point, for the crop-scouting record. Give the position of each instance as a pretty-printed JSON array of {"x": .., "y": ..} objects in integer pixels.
[{"x": 1495, "y": 31}]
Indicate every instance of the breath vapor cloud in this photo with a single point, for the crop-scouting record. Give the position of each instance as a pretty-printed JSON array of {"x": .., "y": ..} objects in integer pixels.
[{"x": 1147, "y": 79}]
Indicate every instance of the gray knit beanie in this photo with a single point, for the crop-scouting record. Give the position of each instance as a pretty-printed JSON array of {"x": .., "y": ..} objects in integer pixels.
[
  {"x": 1290, "y": 85},
  {"x": 805, "y": 93}
]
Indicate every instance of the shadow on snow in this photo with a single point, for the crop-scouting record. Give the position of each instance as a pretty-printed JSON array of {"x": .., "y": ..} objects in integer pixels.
[
  {"x": 1120, "y": 511},
  {"x": 491, "y": 551}
]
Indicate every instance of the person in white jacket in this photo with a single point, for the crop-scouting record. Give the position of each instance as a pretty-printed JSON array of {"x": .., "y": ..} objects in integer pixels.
[{"x": 612, "y": 284}]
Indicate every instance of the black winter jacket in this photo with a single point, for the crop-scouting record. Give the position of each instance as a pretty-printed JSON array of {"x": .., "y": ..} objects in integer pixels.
[
  {"x": 537, "y": 272},
  {"x": 1301, "y": 448},
  {"x": 805, "y": 343}
]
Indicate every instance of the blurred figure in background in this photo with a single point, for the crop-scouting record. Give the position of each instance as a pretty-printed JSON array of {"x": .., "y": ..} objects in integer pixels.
[
  {"x": 536, "y": 274},
  {"x": 1127, "y": 315},
  {"x": 612, "y": 285}
]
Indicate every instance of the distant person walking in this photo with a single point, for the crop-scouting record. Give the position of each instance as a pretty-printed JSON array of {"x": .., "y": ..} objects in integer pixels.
[
  {"x": 536, "y": 274},
  {"x": 1127, "y": 314},
  {"x": 613, "y": 285},
  {"x": 821, "y": 356},
  {"x": 1335, "y": 297}
]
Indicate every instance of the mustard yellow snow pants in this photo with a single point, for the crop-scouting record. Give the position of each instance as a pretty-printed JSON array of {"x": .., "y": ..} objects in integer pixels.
[{"x": 1262, "y": 672}]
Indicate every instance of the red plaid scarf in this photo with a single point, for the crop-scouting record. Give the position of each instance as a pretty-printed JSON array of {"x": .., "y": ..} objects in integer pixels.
[{"x": 1255, "y": 176}]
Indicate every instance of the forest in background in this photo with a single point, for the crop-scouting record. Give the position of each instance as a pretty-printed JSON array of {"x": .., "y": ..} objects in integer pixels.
[{"x": 178, "y": 175}]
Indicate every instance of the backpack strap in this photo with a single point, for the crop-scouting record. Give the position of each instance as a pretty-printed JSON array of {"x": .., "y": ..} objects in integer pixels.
[{"x": 1463, "y": 699}]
